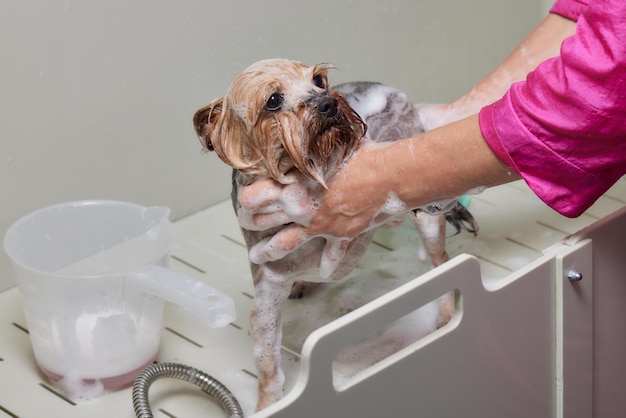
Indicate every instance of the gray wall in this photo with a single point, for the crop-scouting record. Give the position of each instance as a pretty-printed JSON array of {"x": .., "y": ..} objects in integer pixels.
[{"x": 96, "y": 97}]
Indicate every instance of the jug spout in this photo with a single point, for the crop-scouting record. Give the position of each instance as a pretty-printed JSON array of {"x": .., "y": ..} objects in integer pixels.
[{"x": 211, "y": 306}]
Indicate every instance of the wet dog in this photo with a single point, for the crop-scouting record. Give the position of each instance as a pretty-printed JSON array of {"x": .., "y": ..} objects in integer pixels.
[{"x": 279, "y": 116}]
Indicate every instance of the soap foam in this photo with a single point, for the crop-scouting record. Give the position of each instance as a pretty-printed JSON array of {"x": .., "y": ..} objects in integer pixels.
[
  {"x": 393, "y": 205},
  {"x": 378, "y": 272},
  {"x": 372, "y": 101},
  {"x": 333, "y": 253},
  {"x": 94, "y": 347},
  {"x": 80, "y": 390},
  {"x": 392, "y": 212},
  {"x": 476, "y": 190},
  {"x": 300, "y": 201},
  {"x": 294, "y": 202}
]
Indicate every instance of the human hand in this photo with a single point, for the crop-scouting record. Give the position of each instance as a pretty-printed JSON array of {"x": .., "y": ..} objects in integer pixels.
[
  {"x": 267, "y": 204},
  {"x": 354, "y": 202}
]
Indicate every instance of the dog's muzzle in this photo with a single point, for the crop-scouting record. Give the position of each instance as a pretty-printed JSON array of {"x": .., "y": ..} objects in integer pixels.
[{"x": 327, "y": 106}]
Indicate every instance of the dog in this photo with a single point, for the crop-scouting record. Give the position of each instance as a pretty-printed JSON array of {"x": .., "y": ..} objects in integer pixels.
[{"x": 281, "y": 115}]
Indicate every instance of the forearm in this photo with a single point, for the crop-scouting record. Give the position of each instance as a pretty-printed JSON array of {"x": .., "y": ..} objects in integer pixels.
[
  {"x": 440, "y": 164},
  {"x": 542, "y": 43}
]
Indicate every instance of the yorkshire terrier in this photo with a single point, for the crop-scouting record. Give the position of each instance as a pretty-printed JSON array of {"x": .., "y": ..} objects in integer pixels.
[{"x": 279, "y": 116}]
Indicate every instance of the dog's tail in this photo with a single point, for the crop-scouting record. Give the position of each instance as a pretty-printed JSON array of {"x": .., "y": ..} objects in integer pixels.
[{"x": 461, "y": 219}]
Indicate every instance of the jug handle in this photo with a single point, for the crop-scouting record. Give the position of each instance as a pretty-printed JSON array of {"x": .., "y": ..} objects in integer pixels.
[{"x": 211, "y": 306}]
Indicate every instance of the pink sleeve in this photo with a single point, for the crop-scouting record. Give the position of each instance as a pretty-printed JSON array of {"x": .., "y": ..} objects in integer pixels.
[
  {"x": 564, "y": 128},
  {"x": 570, "y": 9}
]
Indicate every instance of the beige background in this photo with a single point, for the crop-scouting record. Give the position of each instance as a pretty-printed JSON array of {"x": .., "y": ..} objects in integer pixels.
[{"x": 96, "y": 97}]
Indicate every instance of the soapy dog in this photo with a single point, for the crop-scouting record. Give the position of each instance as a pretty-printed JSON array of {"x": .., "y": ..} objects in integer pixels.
[{"x": 281, "y": 120}]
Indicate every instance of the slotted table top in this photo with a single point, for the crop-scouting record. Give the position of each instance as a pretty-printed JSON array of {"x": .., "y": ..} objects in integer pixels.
[{"x": 515, "y": 228}]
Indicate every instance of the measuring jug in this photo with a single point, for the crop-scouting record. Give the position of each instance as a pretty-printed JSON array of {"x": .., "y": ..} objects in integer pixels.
[{"x": 93, "y": 277}]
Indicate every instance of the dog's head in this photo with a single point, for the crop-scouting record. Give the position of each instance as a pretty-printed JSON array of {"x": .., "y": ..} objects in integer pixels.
[{"x": 277, "y": 115}]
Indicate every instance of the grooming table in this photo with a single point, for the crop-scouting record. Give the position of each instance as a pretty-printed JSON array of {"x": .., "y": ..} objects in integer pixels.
[{"x": 525, "y": 340}]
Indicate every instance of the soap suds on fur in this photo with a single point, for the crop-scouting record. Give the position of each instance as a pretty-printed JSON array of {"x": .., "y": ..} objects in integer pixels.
[{"x": 378, "y": 272}]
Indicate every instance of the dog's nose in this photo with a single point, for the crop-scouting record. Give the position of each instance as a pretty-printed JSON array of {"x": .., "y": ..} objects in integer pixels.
[{"x": 327, "y": 106}]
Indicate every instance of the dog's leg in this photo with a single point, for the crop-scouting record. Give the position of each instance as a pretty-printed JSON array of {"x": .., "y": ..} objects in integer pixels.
[
  {"x": 266, "y": 329},
  {"x": 432, "y": 230}
]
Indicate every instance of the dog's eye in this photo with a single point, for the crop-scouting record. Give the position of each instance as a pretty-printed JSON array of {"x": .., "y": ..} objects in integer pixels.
[
  {"x": 319, "y": 81},
  {"x": 274, "y": 102}
]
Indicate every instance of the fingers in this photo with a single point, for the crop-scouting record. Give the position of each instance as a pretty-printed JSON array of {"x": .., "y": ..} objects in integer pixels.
[
  {"x": 262, "y": 221},
  {"x": 279, "y": 245},
  {"x": 260, "y": 206},
  {"x": 267, "y": 204},
  {"x": 333, "y": 253},
  {"x": 293, "y": 237},
  {"x": 260, "y": 194}
]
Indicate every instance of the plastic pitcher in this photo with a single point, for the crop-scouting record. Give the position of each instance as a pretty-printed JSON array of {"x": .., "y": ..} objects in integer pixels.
[{"x": 93, "y": 278}]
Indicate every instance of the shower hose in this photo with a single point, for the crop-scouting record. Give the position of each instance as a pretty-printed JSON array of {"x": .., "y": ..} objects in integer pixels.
[{"x": 208, "y": 384}]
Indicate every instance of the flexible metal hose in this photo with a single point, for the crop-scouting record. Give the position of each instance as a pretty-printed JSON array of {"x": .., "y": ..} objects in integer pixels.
[{"x": 208, "y": 384}]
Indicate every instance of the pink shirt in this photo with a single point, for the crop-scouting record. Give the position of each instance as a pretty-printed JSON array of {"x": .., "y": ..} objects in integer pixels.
[{"x": 564, "y": 128}]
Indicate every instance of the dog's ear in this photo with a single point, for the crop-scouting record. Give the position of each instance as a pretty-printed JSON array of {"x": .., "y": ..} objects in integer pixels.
[{"x": 205, "y": 121}]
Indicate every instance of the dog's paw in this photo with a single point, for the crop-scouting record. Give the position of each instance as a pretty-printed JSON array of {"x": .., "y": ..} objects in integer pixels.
[{"x": 303, "y": 289}]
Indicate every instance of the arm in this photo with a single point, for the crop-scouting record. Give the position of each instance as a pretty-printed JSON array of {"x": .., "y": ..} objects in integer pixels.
[
  {"x": 564, "y": 128},
  {"x": 439, "y": 164},
  {"x": 443, "y": 163},
  {"x": 450, "y": 160},
  {"x": 542, "y": 43}
]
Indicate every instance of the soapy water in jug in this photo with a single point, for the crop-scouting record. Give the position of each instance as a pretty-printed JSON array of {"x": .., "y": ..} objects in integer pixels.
[
  {"x": 111, "y": 345},
  {"x": 108, "y": 347},
  {"x": 93, "y": 279}
]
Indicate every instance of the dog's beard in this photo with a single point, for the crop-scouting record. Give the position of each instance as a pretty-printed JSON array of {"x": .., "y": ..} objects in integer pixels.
[
  {"x": 326, "y": 150},
  {"x": 317, "y": 145}
]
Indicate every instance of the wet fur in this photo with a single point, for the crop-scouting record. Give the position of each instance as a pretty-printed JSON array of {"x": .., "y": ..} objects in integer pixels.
[{"x": 259, "y": 143}]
